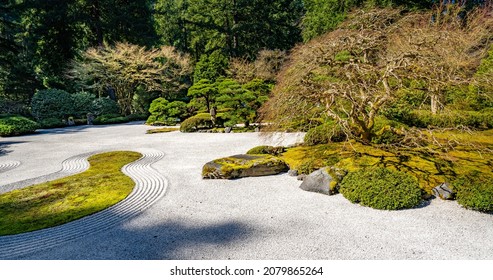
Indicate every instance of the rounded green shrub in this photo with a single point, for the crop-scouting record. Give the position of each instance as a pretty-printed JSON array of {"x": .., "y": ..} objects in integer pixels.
[
  {"x": 196, "y": 122},
  {"x": 83, "y": 103},
  {"x": 325, "y": 133},
  {"x": 11, "y": 125},
  {"x": 169, "y": 113},
  {"x": 381, "y": 188},
  {"x": 52, "y": 103},
  {"x": 475, "y": 191},
  {"x": 104, "y": 106},
  {"x": 52, "y": 123}
]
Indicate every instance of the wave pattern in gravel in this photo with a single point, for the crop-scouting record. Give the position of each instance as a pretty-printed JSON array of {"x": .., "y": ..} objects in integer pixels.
[
  {"x": 9, "y": 165},
  {"x": 150, "y": 186}
]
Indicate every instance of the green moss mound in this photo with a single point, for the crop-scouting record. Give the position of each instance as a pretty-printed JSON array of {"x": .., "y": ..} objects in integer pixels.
[
  {"x": 12, "y": 125},
  {"x": 381, "y": 188},
  {"x": 475, "y": 191},
  {"x": 325, "y": 133},
  {"x": 266, "y": 150},
  {"x": 70, "y": 198}
]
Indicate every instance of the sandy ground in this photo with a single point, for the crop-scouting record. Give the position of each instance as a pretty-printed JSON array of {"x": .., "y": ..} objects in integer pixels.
[{"x": 250, "y": 218}]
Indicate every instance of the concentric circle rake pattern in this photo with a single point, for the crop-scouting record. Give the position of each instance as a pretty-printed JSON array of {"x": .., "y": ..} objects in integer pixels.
[
  {"x": 150, "y": 186},
  {"x": 8, "y": 165}
]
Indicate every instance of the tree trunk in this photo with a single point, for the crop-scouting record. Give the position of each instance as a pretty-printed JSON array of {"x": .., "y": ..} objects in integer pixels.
[{"x": 435, "y": 104}]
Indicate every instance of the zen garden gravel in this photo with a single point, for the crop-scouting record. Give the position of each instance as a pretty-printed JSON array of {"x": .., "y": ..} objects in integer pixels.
[{"x": 175, "y": 214}]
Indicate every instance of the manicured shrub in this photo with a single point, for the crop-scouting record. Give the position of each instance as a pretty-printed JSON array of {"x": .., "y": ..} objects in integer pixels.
[
  {"x": 325, "y": 133},
  {"x": 262, "y": 150},
  {"x": 110, "y": 119},
  {"x": 169, "y": 113},
  {"x": 381, "y": 188},
  {"x": 104, "y": 106},
  {"x": 83, "y": 103},
  {"x": 196, "y": 122},
  {"x": 51, "y": 103},
  {"x": 52, "y": 123},
  {"x": 475, "y": 191},
  {"x": 11, "y": 125}
]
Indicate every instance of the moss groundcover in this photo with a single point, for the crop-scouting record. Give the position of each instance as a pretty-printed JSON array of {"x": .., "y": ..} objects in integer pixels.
[{"x": 70, "y": 198}]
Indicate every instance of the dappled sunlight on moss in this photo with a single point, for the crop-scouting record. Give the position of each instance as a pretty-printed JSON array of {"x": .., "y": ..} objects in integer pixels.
[{"x": 431, "y": 166}]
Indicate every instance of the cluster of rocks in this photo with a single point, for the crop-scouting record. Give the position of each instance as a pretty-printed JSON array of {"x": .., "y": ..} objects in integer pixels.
[{"x": 325, "y": 180}]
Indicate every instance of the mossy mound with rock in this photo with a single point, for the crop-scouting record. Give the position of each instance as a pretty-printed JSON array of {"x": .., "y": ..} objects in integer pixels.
[
  {"x": 475, "y": 191},
  {"x": 239, "y": 166},
  {"x": 381, "y": 188}
]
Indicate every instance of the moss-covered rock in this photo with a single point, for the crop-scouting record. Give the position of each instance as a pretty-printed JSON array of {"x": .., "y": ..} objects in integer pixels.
[{"x": 239, "y": 166}]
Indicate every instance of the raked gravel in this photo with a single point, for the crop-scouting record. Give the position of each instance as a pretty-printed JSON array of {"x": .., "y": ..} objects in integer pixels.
[{"x": 251, "y": 218}]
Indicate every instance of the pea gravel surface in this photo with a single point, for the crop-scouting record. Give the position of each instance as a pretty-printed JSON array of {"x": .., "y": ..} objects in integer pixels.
[{"x": 250, "y": 218}]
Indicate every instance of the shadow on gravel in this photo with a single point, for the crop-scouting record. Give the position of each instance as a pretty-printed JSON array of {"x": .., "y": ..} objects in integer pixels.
[
  {"x": 5, "y": 145},
  {"x": 176, "y": 241}
]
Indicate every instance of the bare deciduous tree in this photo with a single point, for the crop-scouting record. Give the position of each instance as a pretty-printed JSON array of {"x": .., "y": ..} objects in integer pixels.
[{"x": 124, "y": 67}]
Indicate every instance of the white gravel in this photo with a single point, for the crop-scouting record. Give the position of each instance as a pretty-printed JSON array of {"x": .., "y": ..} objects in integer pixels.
[{"x": 250, "y": 218}]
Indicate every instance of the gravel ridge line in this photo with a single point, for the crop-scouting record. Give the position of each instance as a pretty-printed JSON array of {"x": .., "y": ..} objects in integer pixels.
[
  {"x": 9, "y": 165},
  {"x": 150, "y": 186}
]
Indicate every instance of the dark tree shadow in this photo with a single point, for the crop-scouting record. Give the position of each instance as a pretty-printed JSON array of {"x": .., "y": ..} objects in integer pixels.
[
  {"x": 4, "y": 146},
  {"x": 177, "y": 240}
]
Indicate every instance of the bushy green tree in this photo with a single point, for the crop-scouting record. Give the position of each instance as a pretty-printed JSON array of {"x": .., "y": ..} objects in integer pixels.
[
  {"x": 52, "y": 103},
  {"x": 236, "y": 27},
  {"x": 243, "y": 102},
  {"x": 168, "y": 113},
  {"x": 210, "y": 67},
  {"x": 204, "y": 91}
]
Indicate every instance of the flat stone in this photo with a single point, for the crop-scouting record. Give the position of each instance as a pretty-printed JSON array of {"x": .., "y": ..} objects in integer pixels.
[
  {"x": 239, "y": 166},
  {"x": 321, "y": 181}
]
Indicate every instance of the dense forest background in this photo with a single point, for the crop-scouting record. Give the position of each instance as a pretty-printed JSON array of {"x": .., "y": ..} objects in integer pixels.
[{"x": 210, "y": 53}]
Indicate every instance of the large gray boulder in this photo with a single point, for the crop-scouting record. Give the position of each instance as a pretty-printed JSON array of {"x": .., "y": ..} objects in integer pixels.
[
  {"x": 444, "y": 191},
  {"x": 239, "y": 166},
  {"x": 325, "y": 180}
]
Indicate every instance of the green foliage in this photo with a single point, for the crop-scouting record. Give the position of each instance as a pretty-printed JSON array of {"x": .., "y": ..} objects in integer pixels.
[
  {"x": 83, "y": 104},
  {"x": 381, "y": 188},
  {"x": 52, "y": 123},
  {"x": 474, "y": 119},
  {"x": 104, "y": 106},
  {"x": 204, "y": 91},
  {"x": 165, "y": 112},
  {"x": 52, "y": 103},
  {"x": 387, "y": 131},
  {"x": 12, "y": 125},
  {"x": 210, "y": 67},
  {"x": 270, "y": 150},
  {"x": 243, "y": 102},
  {"x": 236, "y": 28},
  {"x": 325, "y": 133},
  {"x": 475, "y": 191},
  {"x": 110, "y": 119},
  {"x": 196, "y": 122}
]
